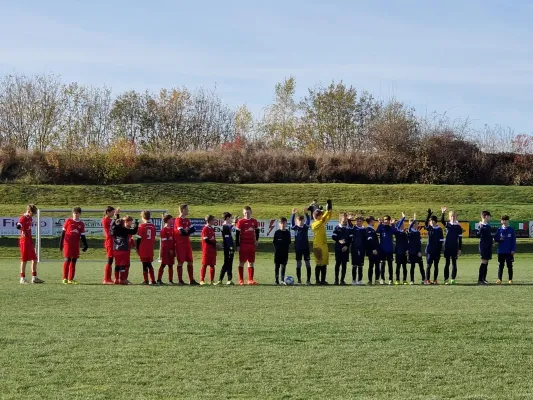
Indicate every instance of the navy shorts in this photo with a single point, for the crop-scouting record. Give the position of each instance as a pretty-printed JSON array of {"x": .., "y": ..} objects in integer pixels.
[
  {"x": 485, "y": 254},
  {"x": 358, "y": 257},
  {"x": 450, "y": 253},
  {"x": 401, "y": 259},
  {"x": 342, "y": 256},
  {"x": 386, "y": 256},
  {"x": 433, "y": 258},
  {"x": 505, "y": 258},
  {"x": 302, "y": 254},
  {"x": 282, "y": 258},
  {"x": 414, "y": 258}
]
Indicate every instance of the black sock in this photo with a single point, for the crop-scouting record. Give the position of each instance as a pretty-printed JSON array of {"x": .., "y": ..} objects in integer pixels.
[
  {"x": 413, "y": 272},
  {"x": 283, "y": 268},
  {"x": 343, "y": 271},
  {"x": 299, "y": 274},
  {"x": 370, "y": 271},
  {"x": 447, "y": 269},
  {"x": 276, "y": 272},
  {"x": 308, "y": 274},
  {"x": 389, "y": 263},
  {"x": 481, "y": 272},
  {"x": 318, "y": 269},
  {"x": 510, "y": 270},
  {"x": 354, "y": 273},
  {"x": 337, "y": 270},
  {"x": 397, "y": 271},
  {"x": 324, "y": 270},
  {"x": 436, "y": 271},
  {"x": 454, "y": 268}
]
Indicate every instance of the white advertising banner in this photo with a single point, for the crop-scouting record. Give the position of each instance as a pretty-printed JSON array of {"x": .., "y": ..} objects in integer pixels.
[{"x": 8, "y": 226}]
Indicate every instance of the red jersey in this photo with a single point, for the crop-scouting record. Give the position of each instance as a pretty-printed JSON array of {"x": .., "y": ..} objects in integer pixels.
[
  {"x": 106, "y": 224},
  {"x": 147, "y": 233},
  {"x": 73, "y": 232},
  {"x": 247, "y": 229},
  {"x": 167, "y": 237},
  {"x": 179, "y": 225},
  {"x": 26, "y": 223},
  {"x": 208, "y": 232}
]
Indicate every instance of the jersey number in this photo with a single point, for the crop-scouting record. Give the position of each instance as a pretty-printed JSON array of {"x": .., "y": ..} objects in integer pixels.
[{"x": 149, "y": 234}]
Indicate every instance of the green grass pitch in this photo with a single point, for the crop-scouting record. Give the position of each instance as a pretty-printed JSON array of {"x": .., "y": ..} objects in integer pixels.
[{"x": 101, "y": 342}]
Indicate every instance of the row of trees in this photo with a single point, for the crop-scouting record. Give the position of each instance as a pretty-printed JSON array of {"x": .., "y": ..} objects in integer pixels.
[{"x": 42, "y": 113}]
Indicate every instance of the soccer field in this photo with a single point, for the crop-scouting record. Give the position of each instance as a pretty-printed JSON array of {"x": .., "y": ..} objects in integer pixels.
[{"x": 410, "y": 342}]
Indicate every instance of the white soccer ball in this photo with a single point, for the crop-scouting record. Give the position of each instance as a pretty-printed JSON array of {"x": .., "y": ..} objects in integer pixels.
[{"x": 289, "y": 280}]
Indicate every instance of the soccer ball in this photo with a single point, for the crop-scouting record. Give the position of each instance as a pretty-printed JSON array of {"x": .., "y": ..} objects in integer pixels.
[{"x": 289, "y": 280}]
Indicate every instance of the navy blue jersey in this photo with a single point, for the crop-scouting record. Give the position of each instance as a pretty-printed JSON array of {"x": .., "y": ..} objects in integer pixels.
[
  {"x": 454, "y": 236},
  {"x": 386, "y": 234},
  {"x": 227, "y": 237},
  {"x": 435, "y": 240},
  {"x": 506, "y": 239},
  {"x": 372, "y": 241},
  {"x": 342, "y": 233},
  {"x": 301, "y": 233},
  {"x": 484, "y": 234},
  {"x": 414, "y": 240},
  {"x": 359, "y": 237},
  {"x": 402, "y": 243}
]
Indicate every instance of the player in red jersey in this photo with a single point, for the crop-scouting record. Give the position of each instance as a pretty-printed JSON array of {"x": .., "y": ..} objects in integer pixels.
[
  {"x": 183, "y": 229},
  {"x": 145, "y": 246},
  {"x": 168, "y": 250},
  {"x": 122, "y": 229},
  {"x": 108, "y": 243},
  {"x": 246, "y": 238},
  {"x": 27, "y": 250},
  {"x": 209, "y": 250},
  {"x": 73, "y": 232}
]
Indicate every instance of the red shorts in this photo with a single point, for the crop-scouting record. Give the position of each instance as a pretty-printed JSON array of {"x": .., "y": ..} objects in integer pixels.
[
  {"x": 147, "y": 259},
  {"x": 167, "y": 256},
  {"x": 184, "y": 253},
  {"x": 109, "y": 251},
  {"x": 27, "y": 251},
  {"x": 247, "y": 254},
  {"x": 209, "y": 258},
  {"x": 122, "y": 258},
  {"x": 71, "y": 251}
]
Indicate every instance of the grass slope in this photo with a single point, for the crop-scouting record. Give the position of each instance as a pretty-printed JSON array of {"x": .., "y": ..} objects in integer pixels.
[
  {"x": 96, "y": 342},
  {"x": 272, "y": 200}
]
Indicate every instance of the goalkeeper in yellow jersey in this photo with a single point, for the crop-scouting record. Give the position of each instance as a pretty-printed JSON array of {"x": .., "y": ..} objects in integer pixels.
[{"x": 320, "y": 244}]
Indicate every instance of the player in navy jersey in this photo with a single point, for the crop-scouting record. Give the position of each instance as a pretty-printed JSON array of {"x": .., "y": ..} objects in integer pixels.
[
  {"x": 386, "y": 232},
  {"x": 281, "y": 241},
  {"x": 415, "y": 250},
  {"x": 358, "y": 247},
  {"x": 372, "y": 246},
  {"x": 453, "y": 244},
  {"x": 229, "y": 249},
  {"x": 506, "y": 238},
  {"x": 342, "y": 236},
  {"x": 300, "y": 225},
  {"x": 400, "y": 249},
  {"x": 484, "y": 234},
  {"x": 433, "y": 247}
]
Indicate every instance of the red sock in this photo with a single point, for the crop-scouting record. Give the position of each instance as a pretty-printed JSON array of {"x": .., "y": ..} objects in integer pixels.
[
  {"x": 202, "y": 273},
  {"x": 72, "y": 270},
  {"x": 66, "y": 269},
  {"x": 123, "y": 276},
  {"x": 117, "y": 275},
  {"x": 250, "y": 274},
  {"x": 160, "y": 272},
  {"x": 33, "y": 273},
  {"x": 211, "y": 273},
  {"x": 152, "y": 275},
  {"x": 241, "y": 273},
  {"x": 107, "y": 272},
  {"x": 127, "y": 273},
  {"x": 180, "y": 273},
  {"x": 171, "y": 272},
  {"x": 190, "y": 271},
  {"x": 145, "y": 276},
  {"x": 22, "y": 275}
]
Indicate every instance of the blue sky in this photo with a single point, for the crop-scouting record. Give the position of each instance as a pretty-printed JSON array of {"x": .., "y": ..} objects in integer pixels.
[{"x": 468, "y": 58}]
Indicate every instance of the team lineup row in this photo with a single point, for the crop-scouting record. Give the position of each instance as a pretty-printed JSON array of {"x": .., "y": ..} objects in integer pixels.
[{"x": 381, "y": 246}]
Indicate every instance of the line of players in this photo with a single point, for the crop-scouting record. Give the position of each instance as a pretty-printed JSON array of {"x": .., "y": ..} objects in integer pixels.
[{"x": 350, "y": 237}]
